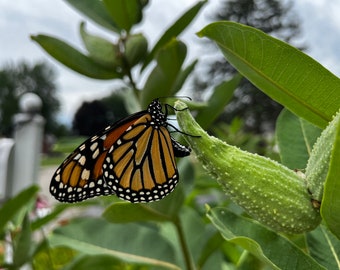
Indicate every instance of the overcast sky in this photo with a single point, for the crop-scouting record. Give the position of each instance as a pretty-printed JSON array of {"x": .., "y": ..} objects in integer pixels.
[{"x": 320, "y": 23}]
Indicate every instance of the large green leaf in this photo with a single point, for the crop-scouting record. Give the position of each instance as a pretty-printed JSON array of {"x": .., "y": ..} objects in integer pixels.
[
  {"x": 123, "y": 212},
  {"x": 324, "y": 247},
  {"x": 281, "y": 71},
  {"x": 330, "y": 206},
  {"x": 73, "y": 59},
  {"x": 47, "y": 257},
  {"x": 171, "y": 205},
  {"x": 295, "y": 138},
  {"x": 174, "y": 30},
  {"x": 220, "y": 97},
  {"x": 163, "y": 210},
  {"x": 136, "y": 47},
  {"x": 98, "y": 262},
  {"x": 212, "y": 244},
  {"x": 196, "y": 232},
  {"x": 127, "y": 242},
  {"x": 101, "y": 50},
  {"x": 189, "y": 230},
  {"x": 163, "y": 77},
  {"x": 22, "y": 250},
  {"x": 124, "y": 13},
  {"x": 263, "y": 243},
  {"x": 14, "y": 205},
  {"x": 182, "y": 76},
  {"x": 96, "y": 11}
]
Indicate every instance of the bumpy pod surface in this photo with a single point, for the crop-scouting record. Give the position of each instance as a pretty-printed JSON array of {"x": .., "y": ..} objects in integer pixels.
[
  {"x": 269, "y": 192},
  {"x": 319, "y": 160}
]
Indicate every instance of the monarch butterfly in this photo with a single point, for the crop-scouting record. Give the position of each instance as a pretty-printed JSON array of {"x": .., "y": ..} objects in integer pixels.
[{"x": 134, "y": 159}]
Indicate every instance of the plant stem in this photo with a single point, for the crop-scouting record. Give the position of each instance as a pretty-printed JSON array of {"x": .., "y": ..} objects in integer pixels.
[{"x": 185, "y": 249}]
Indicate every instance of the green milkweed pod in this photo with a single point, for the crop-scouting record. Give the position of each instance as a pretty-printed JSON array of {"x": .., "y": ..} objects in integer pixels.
[
  {"x": 319, "y": 160},
  {"x": 268, "y": 191}
]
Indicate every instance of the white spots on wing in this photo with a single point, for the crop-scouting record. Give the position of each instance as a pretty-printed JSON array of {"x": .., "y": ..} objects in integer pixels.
[
  {"x": 95, "y": 154},
  {"x": 82, "y": 160},
  {"x": 85, "y": 175},
  {"x": 94, "y": 146}
]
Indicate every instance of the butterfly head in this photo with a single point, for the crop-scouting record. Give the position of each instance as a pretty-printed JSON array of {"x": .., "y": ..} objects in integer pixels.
[{"x": 155, "y": 110}]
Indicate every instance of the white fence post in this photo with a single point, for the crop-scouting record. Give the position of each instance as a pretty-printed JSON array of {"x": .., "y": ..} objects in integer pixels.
[
  {"x": 6, "y": 159},
  {"x": 28, "y": 138}
]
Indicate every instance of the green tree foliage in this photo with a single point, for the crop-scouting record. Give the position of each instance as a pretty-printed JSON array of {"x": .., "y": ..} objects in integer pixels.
[
  {"x": 18, "y": 79},
  {"x": 274, "y": 17},
  {"x": 95, "y": 115},
  {"x": 115, "y": 106},
  {"x": 90, "y": 117}
]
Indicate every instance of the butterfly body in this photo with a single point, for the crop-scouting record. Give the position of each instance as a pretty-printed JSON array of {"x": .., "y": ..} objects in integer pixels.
[{"x": 133, "y": 159}]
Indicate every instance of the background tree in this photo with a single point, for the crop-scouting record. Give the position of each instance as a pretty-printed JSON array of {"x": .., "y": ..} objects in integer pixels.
[
  {"x": 22, "y": 78},
  {"x": 93, "y": 116},
  {"x": 274, "y": 17}
]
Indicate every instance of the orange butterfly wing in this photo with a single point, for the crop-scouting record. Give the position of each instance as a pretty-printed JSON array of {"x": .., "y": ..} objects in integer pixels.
[
  {"x": 140, "y": 166},
  {"x": 80, "y": 176},
  {"x": 134, "y": 159}
]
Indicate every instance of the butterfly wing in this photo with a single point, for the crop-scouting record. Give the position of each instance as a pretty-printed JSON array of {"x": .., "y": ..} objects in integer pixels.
[
  {"x": 80, "y": 176},
  {"x": 140, "y": 166}
]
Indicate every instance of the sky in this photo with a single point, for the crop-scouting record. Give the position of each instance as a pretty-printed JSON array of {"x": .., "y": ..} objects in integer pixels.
[{"x": 320, "y": 25}]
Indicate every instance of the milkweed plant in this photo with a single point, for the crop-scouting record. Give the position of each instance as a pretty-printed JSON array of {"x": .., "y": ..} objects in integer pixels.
[{"x": 232, "y": 209}]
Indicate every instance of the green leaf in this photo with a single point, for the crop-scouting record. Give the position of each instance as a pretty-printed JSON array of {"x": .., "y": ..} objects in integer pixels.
[
  {"x": 220, "y": 97},
  {"x": 281, "y": 71},
  {"x": 195, "y": 231},
  {"x": 295, "y": 138},
  {"x": 164, "y": 76},
  {"x": 217, "y": 260},
  {"x": 130, "y": 242},
  {"x": 136, "y": 47},
  {"x": 73, "y": 59},
  {"x": 187, "y": 177},
  {"x": 330, "y": 206},
  {"x": 101, "y": 50},
  {"x": 163, "y": 210},
  {"x": 22, "y": 247},
  {"x": 123, "y": 212},
  {"x": 174, "y": 30},
  {"x": 131, "y": 101},
  {"x": 124, "y": 13},
  {"x": 263, "y": 243},
  {"x": 14, "y": 205},
  {"x": 212, "y": 245},
  {"x": 96, "y": 11},
  {"x": 47, "y": 257},
  {"x": 324, "y": 247},
  {"x": 97, "y": 262},
  {"x": 182, "y": 76},
  {"x": 171, "y": 205},
  {"x": 189, "y": 227}
]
